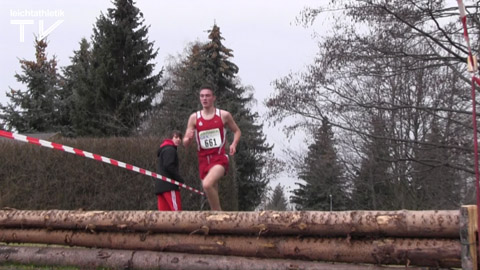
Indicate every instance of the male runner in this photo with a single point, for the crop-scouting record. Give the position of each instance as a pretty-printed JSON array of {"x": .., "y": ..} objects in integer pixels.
[{"x": 207, "y": 126}]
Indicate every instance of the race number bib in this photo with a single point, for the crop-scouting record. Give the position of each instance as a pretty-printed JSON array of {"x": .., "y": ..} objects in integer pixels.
[{"x": 210, "y": 138}]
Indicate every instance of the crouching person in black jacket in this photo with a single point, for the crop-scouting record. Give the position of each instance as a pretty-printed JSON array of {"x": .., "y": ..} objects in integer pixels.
[{"x": 168, "y": 195}]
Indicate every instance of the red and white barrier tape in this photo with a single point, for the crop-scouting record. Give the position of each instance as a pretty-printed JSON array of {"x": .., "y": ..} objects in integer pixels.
[
  {"x": 78, "y": 152},
  {"x": 475, "y": 80},
  {"x": 463, "y": 19}
]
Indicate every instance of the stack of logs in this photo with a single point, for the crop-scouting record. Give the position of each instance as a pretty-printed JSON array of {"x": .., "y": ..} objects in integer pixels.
[{"x": 232, "y": 240}]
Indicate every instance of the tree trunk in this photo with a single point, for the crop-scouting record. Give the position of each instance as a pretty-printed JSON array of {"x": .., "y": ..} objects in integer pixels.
[
  {"x": 132, "y": 259},
  {"x": 439, "y": 224},
  {"x": 421, "y": 252}
]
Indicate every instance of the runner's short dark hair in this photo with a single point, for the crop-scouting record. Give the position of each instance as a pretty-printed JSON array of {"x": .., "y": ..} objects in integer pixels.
[{"x": 207, "y": 86}]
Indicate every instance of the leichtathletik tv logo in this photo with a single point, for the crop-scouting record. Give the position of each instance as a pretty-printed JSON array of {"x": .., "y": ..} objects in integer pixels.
[{"x": 28, "y": 18}]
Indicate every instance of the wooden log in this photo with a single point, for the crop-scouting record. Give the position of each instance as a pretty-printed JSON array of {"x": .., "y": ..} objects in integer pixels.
[
  {"x": 468, "y": 237},
  {"x": 133, "y": 259},
  {"x": 434, "y": 224},
  {"x": 420, "y": 252}
]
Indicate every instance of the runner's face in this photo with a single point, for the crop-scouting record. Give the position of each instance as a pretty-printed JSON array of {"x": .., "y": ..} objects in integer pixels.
[
  {"x": 176, "y": 140},
  {"x": 207, "y": 98}
]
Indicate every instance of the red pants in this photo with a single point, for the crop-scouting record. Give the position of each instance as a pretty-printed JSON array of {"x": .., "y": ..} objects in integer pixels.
[{"x": 169, "y": 201}]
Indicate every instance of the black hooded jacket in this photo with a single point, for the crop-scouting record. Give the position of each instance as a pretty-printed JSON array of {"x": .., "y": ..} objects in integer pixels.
[{"x": 167, "y": 165}]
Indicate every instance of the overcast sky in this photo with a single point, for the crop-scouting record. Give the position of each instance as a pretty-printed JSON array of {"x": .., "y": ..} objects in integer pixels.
[{"x": 266, "y": 42}]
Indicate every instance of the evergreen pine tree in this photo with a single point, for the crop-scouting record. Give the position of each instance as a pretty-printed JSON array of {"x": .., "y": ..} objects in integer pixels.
[
  {"x": 322, "y": 175},
  {"x": 435, "y": 185},
  {"x": 252, "y": 148},
  {"x": 180, "y": 96},
  {"x": 278, "y": 201},
  {"x": 210, "y": 64},
  {"x": 39, "y": 107},
  {"x": 77, "y": 82},
  {"x": 122, "y": 84},
  {"x": 373, "y": 187}
]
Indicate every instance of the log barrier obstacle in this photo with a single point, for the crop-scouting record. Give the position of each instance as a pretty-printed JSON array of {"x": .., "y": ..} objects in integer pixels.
[{"x": 241, "y": 240}]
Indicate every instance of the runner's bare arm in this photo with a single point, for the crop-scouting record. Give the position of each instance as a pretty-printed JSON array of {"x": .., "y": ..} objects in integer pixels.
[
  {"x": 230, "y": 123},
  {"x": 190, "y": 132}
]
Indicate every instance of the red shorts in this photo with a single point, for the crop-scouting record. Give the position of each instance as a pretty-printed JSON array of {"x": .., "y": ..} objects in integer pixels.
[{"x": 205, "y": 163}]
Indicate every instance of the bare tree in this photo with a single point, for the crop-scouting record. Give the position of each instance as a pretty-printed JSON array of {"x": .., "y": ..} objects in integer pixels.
[{"x": 401, "y": 61}]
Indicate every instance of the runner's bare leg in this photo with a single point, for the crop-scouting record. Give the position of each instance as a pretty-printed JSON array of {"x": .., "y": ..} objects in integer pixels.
[{"x": 210, "y": 186}]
